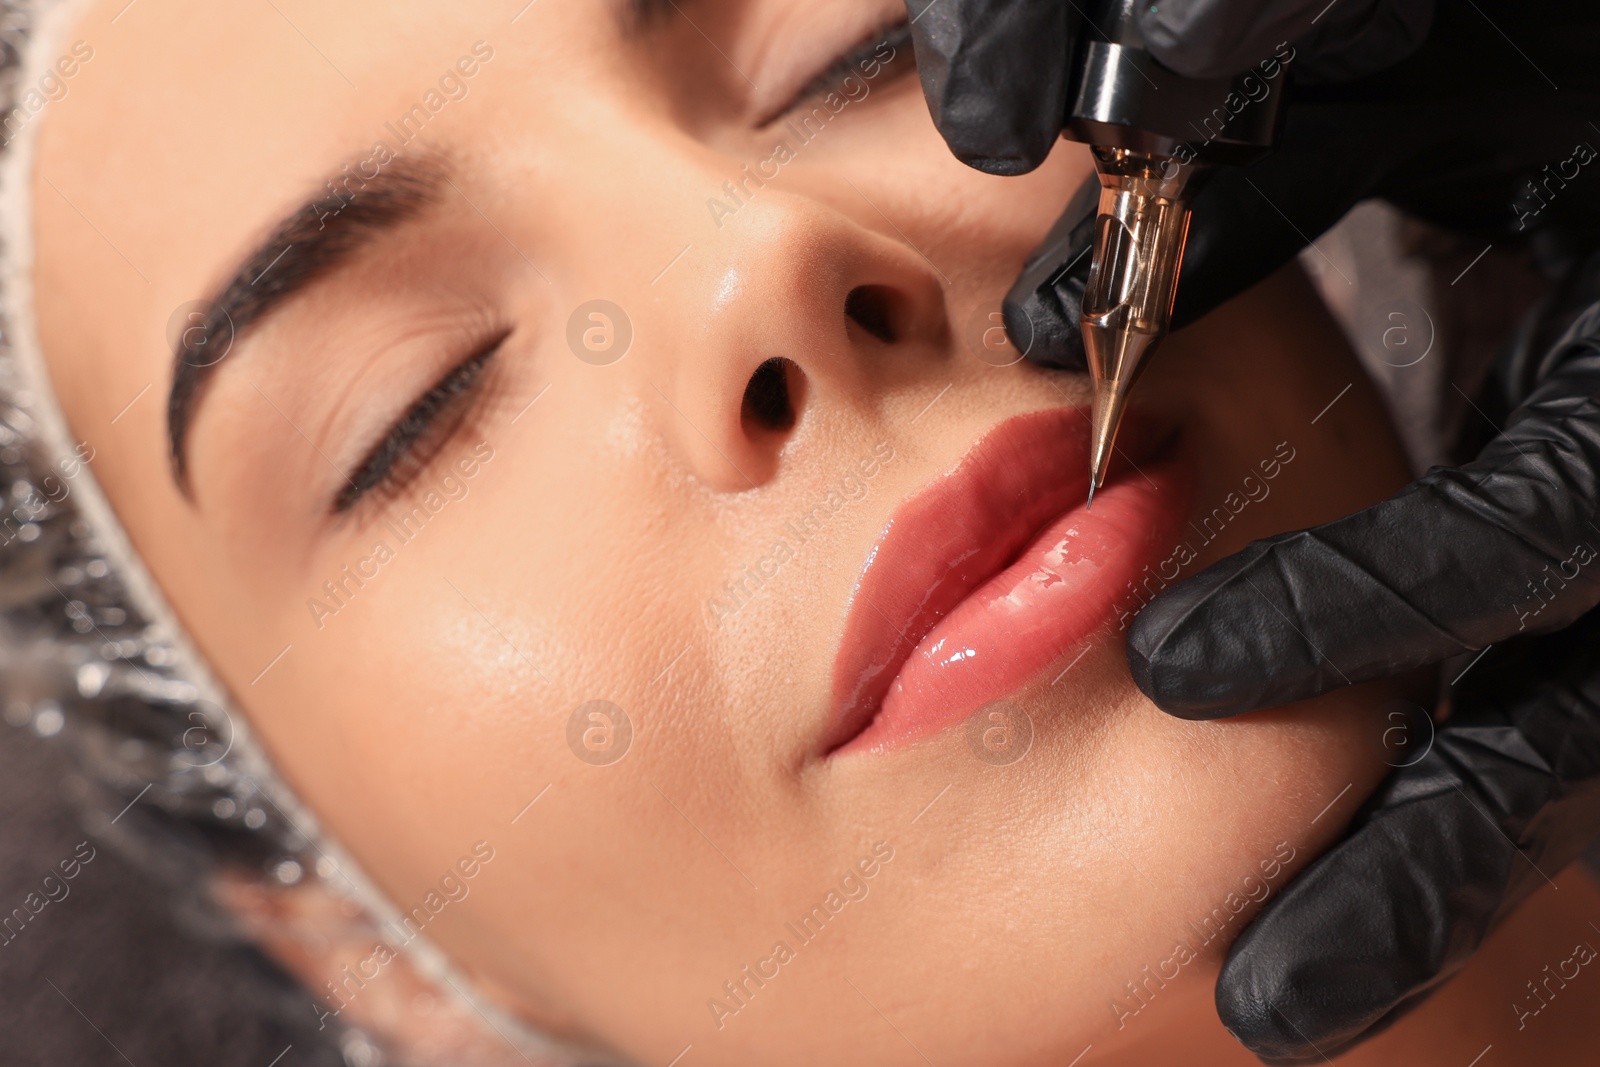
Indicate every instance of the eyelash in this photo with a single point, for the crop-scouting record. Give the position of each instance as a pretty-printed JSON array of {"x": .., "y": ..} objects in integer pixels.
[
  {"x": 418, "y": 436},
  {"x": 897, "y": 36}
]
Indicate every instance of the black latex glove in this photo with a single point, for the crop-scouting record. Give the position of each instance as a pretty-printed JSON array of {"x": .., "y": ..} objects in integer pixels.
[
  {"x": 995, "y": 71},
  {"x": 1451, "y": 134},
  {"x": 1498, "y": 552}
]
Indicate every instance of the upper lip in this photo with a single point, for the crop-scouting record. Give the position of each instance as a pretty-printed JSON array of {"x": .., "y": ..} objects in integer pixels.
[{"x": 955, "y": 534}]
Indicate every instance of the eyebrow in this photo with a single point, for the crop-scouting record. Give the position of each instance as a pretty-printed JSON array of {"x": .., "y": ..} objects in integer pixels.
[{"x": 305, "y": 246}]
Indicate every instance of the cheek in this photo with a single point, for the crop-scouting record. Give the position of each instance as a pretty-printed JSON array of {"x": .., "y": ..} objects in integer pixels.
[{"x": 432, "y": 709}]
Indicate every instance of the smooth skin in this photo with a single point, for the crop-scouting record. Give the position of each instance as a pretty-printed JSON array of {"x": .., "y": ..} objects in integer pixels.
[{"x": 608, "y": 505}]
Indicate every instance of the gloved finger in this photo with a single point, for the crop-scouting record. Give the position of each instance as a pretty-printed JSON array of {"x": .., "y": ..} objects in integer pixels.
[
  {"x": 1356, "y": 938},
  {"x": 1221, "y": 38},
  {"x": 1459, "y": 560},
  {"x": 1350, "y": 41},
  {"x": 1041, "y": 310},
  {"x": 994, "y": 73},
  {"x": 1503, "y": 800}
]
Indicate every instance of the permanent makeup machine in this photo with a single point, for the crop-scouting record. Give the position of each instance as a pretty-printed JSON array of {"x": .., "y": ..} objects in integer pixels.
[{"x": 1156, "y": 135}]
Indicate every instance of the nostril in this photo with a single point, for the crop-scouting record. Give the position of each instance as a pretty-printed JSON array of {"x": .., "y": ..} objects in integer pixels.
[
  {"x": 768, "y": 396},
  {"x": 872, "y": 308}
]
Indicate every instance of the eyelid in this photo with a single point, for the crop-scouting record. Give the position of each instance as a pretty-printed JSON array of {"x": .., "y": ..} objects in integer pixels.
[
  {"x": 454, "y": 395},
  {"x": 846, "y": 64}
]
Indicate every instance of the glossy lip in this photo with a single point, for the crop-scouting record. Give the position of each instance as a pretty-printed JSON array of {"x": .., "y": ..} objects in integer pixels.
[{"x": 995, "y": 570}]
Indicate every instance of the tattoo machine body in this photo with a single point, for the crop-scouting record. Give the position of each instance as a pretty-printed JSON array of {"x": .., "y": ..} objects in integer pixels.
[{"x": 1155, "y": 135}]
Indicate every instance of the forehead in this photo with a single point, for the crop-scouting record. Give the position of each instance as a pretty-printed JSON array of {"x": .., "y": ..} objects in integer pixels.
[
  {"x": 185, "y": 130},
  {"x": 193, "y": 122}
]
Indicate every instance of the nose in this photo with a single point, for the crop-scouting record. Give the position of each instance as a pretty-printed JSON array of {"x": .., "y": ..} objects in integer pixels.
[{"x": 797, "y": 309}]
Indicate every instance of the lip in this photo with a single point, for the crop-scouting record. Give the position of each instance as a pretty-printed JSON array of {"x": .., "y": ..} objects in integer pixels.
[{"x": 994, "y": 571}]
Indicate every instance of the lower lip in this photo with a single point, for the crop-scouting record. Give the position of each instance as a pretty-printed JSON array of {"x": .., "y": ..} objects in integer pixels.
[{"x": 1075, "y": 576}]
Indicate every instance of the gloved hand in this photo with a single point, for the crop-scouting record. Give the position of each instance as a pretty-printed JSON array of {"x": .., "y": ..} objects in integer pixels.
[
  {"x": 1489, "y": 556},
  {"x": 1456, "y": 134},
  {"x": 995, "y": 71},
  {"x": 1455, "y": 563}
]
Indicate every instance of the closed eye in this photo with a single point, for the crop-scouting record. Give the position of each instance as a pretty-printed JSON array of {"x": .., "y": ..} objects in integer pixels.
[
  {"x": 416, "y": 438},
  {"x": 889, "y": 48}
]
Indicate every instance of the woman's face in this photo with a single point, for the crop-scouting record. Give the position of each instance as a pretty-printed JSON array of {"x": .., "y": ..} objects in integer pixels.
[{"x": 497, "y": 432}]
